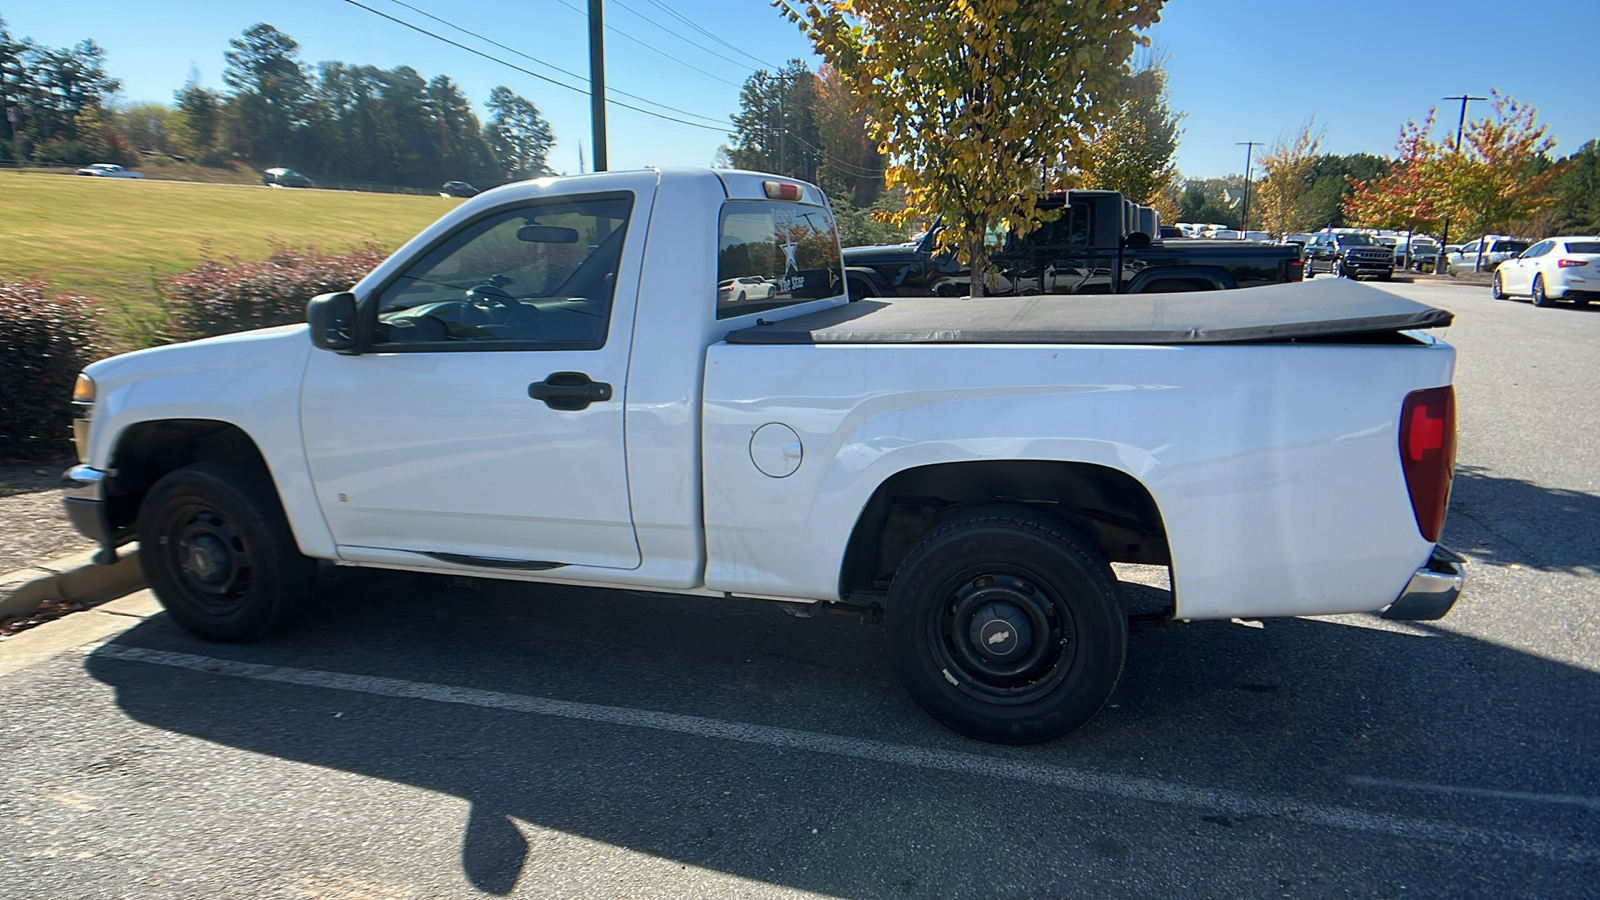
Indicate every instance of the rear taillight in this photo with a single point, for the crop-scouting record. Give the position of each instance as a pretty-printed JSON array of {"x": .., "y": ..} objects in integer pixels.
[
  {"x": 1569, "y": 263},
  {"x": 1428, "y": 454},
  {"x": 1297, "y": 270}
]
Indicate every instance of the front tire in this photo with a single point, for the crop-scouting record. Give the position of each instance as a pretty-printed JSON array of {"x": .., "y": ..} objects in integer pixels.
[
  {"x": 1540, "y": 298},
  {"x": 1006, "y": 625},
  {"x": 1338, "y": 268},
  {"x": 217, "y": 549},
  {"x": 1497, "y": 289}
]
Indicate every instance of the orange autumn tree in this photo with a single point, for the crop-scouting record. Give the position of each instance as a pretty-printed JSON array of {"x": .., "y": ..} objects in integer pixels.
[
  {"x": 977, "y": 104},
  {"x": 1411, "y": 196}
]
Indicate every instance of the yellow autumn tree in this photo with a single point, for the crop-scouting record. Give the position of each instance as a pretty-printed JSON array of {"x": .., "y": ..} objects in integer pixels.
[
  {"x": 1133, "y": 151},
  {"x": 1288, "y": 166},
  {"x": 978, "y": 104}
]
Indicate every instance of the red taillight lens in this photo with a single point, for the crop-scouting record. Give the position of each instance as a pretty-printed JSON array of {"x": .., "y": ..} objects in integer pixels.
[
  {"x": 782, "y": 190},
  {"x": 1569, "y": 263},
  {"x": 1297, "y": 270},
  {"x": 1428, "y": 454}
]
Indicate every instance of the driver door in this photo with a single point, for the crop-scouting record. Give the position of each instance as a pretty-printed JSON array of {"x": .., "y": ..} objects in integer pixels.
[{"x": 483, "y": 426}]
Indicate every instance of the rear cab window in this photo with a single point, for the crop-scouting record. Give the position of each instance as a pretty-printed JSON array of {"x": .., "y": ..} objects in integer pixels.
[{"x": 772, "y": 253}]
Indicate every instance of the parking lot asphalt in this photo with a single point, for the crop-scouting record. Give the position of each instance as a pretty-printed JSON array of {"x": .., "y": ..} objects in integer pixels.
[{"x": 422, "y": 738}]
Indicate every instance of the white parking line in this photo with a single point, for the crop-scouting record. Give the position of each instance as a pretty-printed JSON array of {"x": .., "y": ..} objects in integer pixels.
[
  {"x": 1491, "y": 793},
  {"x": 1145, "y": 789}
]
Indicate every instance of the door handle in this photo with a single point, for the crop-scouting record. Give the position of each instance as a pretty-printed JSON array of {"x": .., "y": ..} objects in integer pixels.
[{"x": 569, "y": 391}]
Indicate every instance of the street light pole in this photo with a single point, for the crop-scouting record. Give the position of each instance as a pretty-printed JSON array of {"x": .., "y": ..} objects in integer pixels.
[
  {"x": 1461, "y": 126},
  {"x": 1249, "y": 148},
  {"x": 597, "y": 82}
]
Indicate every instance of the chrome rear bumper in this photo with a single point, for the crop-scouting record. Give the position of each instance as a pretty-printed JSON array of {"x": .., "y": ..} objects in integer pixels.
[{"x": 1432, "y": 591}]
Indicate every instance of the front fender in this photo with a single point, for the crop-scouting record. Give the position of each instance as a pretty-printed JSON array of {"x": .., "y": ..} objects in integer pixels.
[{"x": 249, "y": 380}]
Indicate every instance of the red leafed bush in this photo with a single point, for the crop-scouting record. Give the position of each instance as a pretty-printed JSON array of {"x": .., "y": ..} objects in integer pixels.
[
  {"x": 223, "y": 297},
  {"x": 44, "y": 343}
]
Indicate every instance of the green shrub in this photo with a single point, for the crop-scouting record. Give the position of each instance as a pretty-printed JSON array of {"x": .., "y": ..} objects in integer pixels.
[
  {"x": 223, "y": 297},
  {"x": 44, "y": 343}
]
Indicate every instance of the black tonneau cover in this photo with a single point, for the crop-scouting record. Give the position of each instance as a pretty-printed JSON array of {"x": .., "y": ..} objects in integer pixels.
[{"x": 1324, "y": 308}]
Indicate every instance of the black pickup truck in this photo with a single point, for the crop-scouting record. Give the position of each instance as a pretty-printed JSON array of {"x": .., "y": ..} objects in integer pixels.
[{"x": 1101, "y": 244}]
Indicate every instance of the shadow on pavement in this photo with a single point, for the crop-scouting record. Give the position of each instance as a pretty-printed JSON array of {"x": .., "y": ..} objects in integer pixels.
[
  {"x": 1290, "y": 710},
  {"x": 1538, "y": 527}
]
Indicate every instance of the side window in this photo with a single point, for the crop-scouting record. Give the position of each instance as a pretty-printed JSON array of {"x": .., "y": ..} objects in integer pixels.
[
  {"x": 535, "y": 277},
  {"x": 1538, "y": 249},
  {"x": 1070, "y": 229},
  {"x": 772, "y": 254}
]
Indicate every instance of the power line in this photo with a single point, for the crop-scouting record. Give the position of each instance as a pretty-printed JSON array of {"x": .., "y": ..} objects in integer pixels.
[
  {"x": 675, "y": 34},
  {"x": 859, "y": 170},
  {"x": 541, "y": 62},
  {"x": 653, "y": 49},
  {"x": 577, "y": 90},
  {"x": 696, "y": 26}
]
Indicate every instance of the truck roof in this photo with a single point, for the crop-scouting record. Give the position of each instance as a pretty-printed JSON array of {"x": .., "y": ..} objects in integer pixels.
[{"x": 1321, "y": 309}]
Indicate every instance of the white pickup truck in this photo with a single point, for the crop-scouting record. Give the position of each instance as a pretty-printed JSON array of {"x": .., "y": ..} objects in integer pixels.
[{"x": 547, "y": 385}]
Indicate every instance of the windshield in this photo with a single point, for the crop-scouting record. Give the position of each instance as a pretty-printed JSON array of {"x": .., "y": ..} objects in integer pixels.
[{"x": 1356, "y": 240}]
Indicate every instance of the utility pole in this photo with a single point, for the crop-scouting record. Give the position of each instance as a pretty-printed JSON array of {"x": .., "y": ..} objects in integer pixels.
[
  {"x": 597, "y": 81},
  {"x": 1461, "y": 126},
  {"x": 1249, "y": 148}
]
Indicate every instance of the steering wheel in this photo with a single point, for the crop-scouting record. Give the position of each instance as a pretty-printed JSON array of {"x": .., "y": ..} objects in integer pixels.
[{"x": 493, "y": 300}]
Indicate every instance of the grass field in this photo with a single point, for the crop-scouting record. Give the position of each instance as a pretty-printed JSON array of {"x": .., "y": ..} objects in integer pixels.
[{"x": 107, "y": 238}]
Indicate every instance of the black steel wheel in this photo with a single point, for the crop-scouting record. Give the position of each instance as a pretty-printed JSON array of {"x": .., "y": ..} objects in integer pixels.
[
  {"x": 1496, "y": 288},
  {"x": 1005, "y": 624},
  {"x": 216, "y": 548},
  {"x": 1540, "y": 298}
]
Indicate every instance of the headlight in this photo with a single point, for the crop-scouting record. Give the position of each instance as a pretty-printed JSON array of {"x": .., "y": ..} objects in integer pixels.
[{"x": 83, "y": 390}]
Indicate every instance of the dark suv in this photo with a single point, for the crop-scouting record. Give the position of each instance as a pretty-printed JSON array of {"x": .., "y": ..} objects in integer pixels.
[{"x": 1349, "y": 255}]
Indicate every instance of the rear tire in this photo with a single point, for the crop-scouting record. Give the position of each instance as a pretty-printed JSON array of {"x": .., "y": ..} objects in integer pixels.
[
  {"x": 1539, "y": 296},
  {"x": 217, "y": 549},
  {"x": 1006, "y": 625}
]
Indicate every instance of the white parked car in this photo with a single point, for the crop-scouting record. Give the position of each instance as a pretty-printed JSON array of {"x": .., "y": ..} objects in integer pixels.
[
  {"x": 1492, "y": 249},
  {"x": 1563, "y": 268},
  {"x": 747, "y": 288},
  {"x": 108, "y": 170}
]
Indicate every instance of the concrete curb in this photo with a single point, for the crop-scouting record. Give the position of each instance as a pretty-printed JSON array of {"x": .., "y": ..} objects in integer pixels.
[{"x": 73, "y": 578}]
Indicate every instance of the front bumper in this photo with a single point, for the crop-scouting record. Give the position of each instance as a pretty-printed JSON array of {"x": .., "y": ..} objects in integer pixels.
[
  {"x": 85, "y": 499},
  {"x": 1432, "y": 591}
]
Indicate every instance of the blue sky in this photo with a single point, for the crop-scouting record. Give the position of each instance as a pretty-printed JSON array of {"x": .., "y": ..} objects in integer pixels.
[{"x": 1240, "y": 69}]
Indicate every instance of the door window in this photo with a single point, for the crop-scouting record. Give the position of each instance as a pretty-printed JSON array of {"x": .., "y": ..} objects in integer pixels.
[
  {"x": 535, "y": 277},
  {"x": 1538, "y": 249}
]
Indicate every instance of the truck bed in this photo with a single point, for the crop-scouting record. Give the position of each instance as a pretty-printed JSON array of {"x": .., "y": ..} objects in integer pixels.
[{"x": 1333, "y": 308}]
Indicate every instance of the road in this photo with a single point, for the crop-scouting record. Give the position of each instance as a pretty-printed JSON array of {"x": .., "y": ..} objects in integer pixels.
[{"x": 419, "y": 738}]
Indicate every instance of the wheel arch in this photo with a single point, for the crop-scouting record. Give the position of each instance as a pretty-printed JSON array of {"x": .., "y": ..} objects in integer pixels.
[
  {"x": 1202, "y": 278},
  {"x": 1112, "y": 508},
  {"x": 143, "y": 452}
]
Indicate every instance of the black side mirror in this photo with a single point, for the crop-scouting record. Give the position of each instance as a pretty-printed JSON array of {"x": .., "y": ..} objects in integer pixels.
[{"x": 332, "y": 318}]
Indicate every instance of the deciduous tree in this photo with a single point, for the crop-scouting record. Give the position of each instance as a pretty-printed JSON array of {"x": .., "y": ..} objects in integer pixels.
[
  {"x": 1409, "y": 197},
  {"x": 1132, "y": 152},
  {"x": 1492, "y": 182},
  {"x": 1288, "y": 165},
  {"x": 979, "y": 103}
]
